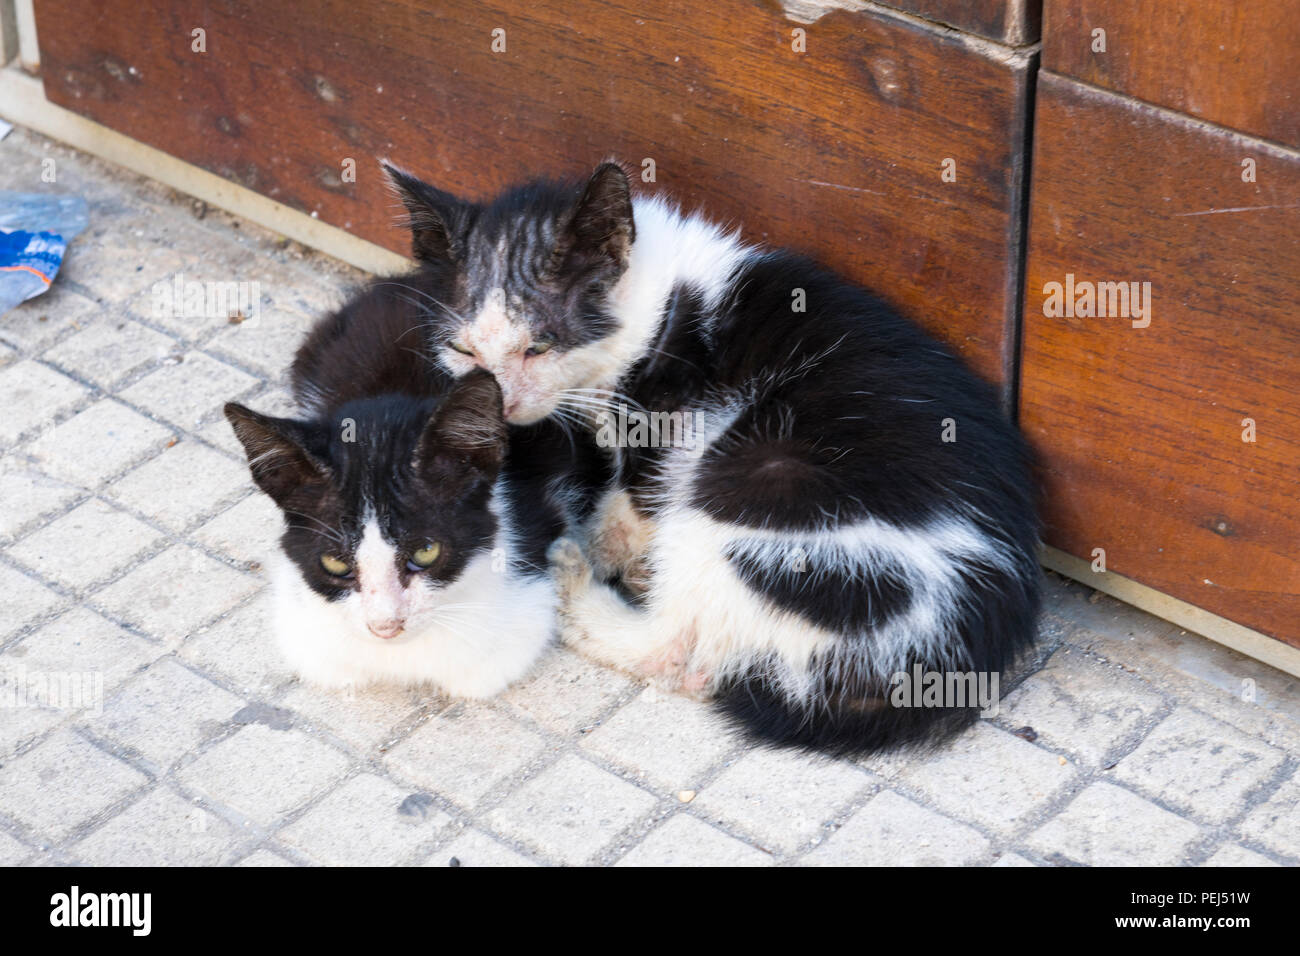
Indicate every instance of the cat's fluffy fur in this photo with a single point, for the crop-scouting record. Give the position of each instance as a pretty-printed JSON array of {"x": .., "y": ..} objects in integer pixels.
[
  {"x": 391, "y": 455},
  {"x": 860, "y": 505}
]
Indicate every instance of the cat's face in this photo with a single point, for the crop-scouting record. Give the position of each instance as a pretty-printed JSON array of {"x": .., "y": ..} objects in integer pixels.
[
  {"x": 530, "y": 278},
  {"x": 387, "y": 503}
]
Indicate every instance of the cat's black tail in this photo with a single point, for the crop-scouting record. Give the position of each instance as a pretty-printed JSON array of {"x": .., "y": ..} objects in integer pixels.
[{"x": 841, "y": 712}]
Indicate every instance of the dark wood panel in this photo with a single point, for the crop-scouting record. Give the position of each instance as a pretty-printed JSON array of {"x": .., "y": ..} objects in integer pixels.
[
  {"x": 1235, "y": 64},
  {"x": 836, "y": 151},
  {"x": 1141, "y": 429},
  {"x": 1014, "y": 22}
]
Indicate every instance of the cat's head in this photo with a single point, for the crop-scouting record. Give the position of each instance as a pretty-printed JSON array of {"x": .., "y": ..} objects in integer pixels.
[
  {"x": 385, "y": 502},
  {"x": 527, "y": 279}
]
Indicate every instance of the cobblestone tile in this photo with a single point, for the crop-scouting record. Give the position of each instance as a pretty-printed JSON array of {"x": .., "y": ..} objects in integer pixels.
[
  {"x": 263, "y": 774},
  {"x": 781, "y": 798},
  {"x": 1276, "y": 823},
  {"x": 247, "y": 532},
  {"x": 22, "y": 601},
  {"x": 992, "y": 778},
  {"x": 446, "y": 754},
  {"x": 160, "y": 829},
  {"x": 1233, "y": 855},
  {"x": 11, "y": 851},
  {"x": 174, "y": 592},
  {"x": 189, "y": 392},
  {"x": 571, "y": 811},
  {"x": 368, "y": 821},
  {"x": 366, "y": 717},
  {"x": 1198, "y": 764},
  {"x": 62, "y": 783},
  {"x": 109, "y": 350},
  {"x": 668, "y": 739},
  {"x": 567, "y": 693},
  {"x": 268, "y": 347},
  {"x": 686, "y": 841},
  {"x": 180, "y": 486},
  {"x": 241, "y": 649},
  {"x": 476, "y": 848},
  {"x": 1108, "y": 826},
  {"x": 1086, "y": 709},
  {"x": 32, "y": 396},
  {"x": 28, "y": 497},
  {"x": 97, "y": 443},
  {"x": 86, "y": 546},
  {"x": 37, "y": 322},
  {"x": 264, "y": 858},
  {"x": 166, "y": 712},
  {"x": 891, "y": 830}
]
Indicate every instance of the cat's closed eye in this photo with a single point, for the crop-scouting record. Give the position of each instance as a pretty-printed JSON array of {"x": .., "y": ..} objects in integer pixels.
[
  {"x": 541, "y": 345},
  {"x": 456, "y": 346},
  {"x": 423, "y": 558},
  {"x": 335, "y": 566}
]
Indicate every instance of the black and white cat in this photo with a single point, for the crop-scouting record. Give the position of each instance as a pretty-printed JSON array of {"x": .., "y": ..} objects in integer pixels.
[
  {"x": 853, "y": 505},
  {"x": 415, "y": 539}
]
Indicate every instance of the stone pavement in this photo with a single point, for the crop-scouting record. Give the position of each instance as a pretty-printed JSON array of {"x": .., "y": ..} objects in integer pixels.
[{"x": 130, "y": 536}]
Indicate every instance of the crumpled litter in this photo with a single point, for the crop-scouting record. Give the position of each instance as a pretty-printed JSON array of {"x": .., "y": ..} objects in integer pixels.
[{"x": 35, "y": 229}]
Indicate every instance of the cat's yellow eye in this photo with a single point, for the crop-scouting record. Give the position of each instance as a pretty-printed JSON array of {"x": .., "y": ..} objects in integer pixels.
[
  {"x": 460, "y": 347},
  {"x": 335, "y": 566},
  {"x": 541, "y": 346},
  {"x": 425, "y": 556}
]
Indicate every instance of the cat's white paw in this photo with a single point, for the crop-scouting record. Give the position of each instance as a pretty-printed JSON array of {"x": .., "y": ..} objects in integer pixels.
[{"x": 570, "y": 568}]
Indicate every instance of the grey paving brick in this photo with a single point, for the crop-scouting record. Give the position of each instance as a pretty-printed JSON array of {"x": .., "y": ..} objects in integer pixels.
[
  {"x": 109, "y": 350},
  {"x": 264, "y": 858},
  {"x": 247, "y": 532},
  {"x": 86, "y": 546},
  {"x": 991, "y": 777},
  {"x": 1012, "y": 859},
  {"x": 566, "y": 693},
  {"x": 668, "y": 739},
  {"x": 1088, "y": 710},
  {"x": 268, "y": 346},
  {"x": 182, "y": 485},
  {"x": 1107, "y": 825},
  {"x": 475, "y": 848},
  {"x": 128, "y": 264},
  {"x": 368, "y": 821},
  {"x": 22, "y": 601},
  {"x": 571, "y": 811},
  {"x": 365, "y": 717},
  {"x": 1201, "y": 765},
  {"x": 892, "y": 830},
  {"x": 446, "y": 753},
  {"x": 11, "y": 851},
  {"x": 241, "y": 649},
  {"x": 782, "y": 799},
  {"x": 32, "y": 395},
  {"x": 1233, "y": 855},
  {"x": 28, "y": 497},
  {"x": 685, "y": 841},
  {"x": 160, "y": 829},
  {"x": 190, "y": 391},
  {"x": 37, "y": 322},
  {"x": 98, "y": 443},
  {"x": 263, "y": 774},
  {"x": 1275, "y": 823},
  {"x": 166, "y": 712},
  {"x": 174, "y": 592},
  {"x": 62, "y": 783}
]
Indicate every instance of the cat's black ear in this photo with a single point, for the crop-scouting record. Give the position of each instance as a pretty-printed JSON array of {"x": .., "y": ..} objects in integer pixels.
[
  {"x": 437, "y": 219},
  {"x": 469, "y": 426},
  {"x": 601, "y": 227},
  {"x": 276, "y": 452}
]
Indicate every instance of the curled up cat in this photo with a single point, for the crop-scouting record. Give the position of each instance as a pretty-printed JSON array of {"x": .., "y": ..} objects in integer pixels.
[
  {"x": 810, "y": 502},
  {"x": 415, "y": 533}
]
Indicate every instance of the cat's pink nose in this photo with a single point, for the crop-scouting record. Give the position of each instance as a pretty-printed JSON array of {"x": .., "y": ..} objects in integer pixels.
[{"x": 386, "y": 629}]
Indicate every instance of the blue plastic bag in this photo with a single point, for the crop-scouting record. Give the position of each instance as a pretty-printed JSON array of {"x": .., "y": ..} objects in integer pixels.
[{"x": 34, "y": 232}]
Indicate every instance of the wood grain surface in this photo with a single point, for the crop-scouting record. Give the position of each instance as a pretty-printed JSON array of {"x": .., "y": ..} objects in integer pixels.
[
  {"x": 1141, "y": 429},
  {"x": 1232, "y": 63},
  {"x": 836, "y": 151}
]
